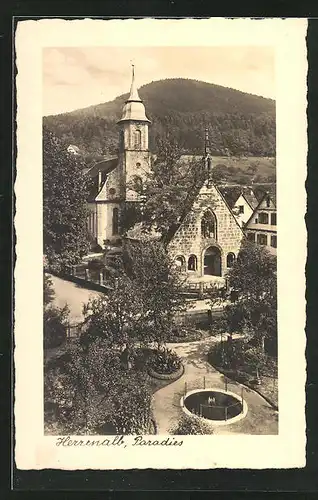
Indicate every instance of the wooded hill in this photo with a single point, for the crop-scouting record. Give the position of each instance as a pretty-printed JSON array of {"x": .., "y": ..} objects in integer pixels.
[{"x": 239, "y": 124}]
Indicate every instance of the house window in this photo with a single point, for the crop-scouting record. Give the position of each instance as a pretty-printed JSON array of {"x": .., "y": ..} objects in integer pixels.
[
  {"x": 273, "y": 219},
  {"x": 230, "y": 259},
  {"x": 274, "y": 241},
  {"x": 263, "y": 218},
  {"x": 241, "y": 209},
  {"x": 115, "y": 221},
  {"x": 251, "y": 237},
  {"x": 262, "y": 239},
  {"x": 137, "y": 139},
  {"x": 208, "y": 225},
  {"x": 192, "y": 263},
  {"x": 268, "y": 201}
]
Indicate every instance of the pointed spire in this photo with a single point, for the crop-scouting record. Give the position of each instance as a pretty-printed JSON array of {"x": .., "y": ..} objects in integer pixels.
[
  {"x": 134, "y": 108},
  {"x": 206, "y": 142},
  {"x": 207, "y": 158},
  {"x": 134, "y": 96}
]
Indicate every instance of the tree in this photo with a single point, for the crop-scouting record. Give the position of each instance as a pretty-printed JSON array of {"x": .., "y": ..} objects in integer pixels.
[
  {"x": 216, "y": 297},
  {"x": 159, "y": 285},
  {"x": 254, "y": 278},
  {"x": 48, "y": 291},
  {"x": 55, "y": 325},
  {"x": 169, "y": 190},
  {"x": 65, "y": 190},
  {"x": 142, "y": 302},
  {"x": 55, "y": 319},
  {"x": 88, "y": 392},
  {"x": 118, "y": 318}
]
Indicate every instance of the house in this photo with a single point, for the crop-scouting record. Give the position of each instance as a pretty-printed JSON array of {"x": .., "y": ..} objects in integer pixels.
[
  {"x": 261, "y": 227},
  {"x": 244, "y": 206},
  {"x": 241, "y": 200},
  {"x": 204, "y": 245}
]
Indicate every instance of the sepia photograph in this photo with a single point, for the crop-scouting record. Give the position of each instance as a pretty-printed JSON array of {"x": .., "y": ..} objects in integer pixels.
[
  {"x": 159, "y": 238},
  {"x": 165, "y": 298}
]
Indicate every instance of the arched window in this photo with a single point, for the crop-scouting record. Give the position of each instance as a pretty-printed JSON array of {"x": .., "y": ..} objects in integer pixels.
[
  {"x": 137, "y": 139},
  {"x": 180, "y": 262},
  {"x": 208, "y": 225},
  {"x": 192, "y": 263},
  {"x": 115, "y": 221},
  {"x": 230, "y": 260}
]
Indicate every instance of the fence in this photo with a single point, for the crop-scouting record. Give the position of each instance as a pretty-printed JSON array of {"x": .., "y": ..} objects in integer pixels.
[
  {"x": 212, "y": 409},
  {"x": 91, "y": 279},
  {"x": 74, "y": 331},
  {"x": 201, "y": 288}
]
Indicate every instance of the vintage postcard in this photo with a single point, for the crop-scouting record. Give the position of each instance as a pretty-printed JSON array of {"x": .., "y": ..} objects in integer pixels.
[{"x": 161, "y": 244}]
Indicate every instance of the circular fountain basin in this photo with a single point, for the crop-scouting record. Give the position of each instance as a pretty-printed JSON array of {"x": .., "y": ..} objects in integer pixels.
[{"x": 214, "y": 405}]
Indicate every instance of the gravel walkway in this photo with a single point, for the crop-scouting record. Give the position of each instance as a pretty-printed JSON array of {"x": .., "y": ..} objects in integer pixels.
[
  {"x": 73, "y": 295},
  {"x": 261, "y": 418}
]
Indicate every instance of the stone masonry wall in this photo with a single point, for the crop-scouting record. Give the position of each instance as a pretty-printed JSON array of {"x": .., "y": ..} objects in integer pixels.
[{"x": 189, "y": 241}]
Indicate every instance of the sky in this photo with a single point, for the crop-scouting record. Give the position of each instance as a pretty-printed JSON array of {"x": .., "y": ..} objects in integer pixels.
[{"x": 75, "y": 77}]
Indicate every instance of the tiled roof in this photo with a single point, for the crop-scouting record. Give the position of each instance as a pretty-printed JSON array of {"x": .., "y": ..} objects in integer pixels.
[
  {"x": 106, "y": 165},
  {"x": 231, "y": 194},
  {"x": 138, "y": 233},
  {"x": 250, "y": 197}
]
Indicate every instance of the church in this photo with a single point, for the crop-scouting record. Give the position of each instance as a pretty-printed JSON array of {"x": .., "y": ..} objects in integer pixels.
[{"x": 206, "y": 242}]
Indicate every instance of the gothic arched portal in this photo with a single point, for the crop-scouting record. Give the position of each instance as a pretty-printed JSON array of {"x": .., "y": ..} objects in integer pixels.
[{"x": 212, "y": 261}]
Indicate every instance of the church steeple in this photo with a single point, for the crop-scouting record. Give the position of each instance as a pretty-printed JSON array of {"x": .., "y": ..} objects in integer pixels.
[
  {"x": 134, "y": 96},
  {"x": 134, "y": 155},
  {"x": 134, "y": 108}
]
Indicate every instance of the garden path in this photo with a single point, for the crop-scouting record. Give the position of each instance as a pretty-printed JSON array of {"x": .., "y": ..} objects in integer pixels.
[
  {"x": 73, "y": 295},
  {"x": 261, "y": 418}
]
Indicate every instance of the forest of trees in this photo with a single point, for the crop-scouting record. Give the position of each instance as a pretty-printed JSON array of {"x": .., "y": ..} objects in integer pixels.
[{"x": 238, "y": 123}]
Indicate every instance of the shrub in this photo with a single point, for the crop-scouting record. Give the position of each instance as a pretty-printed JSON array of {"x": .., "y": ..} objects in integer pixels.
[
  {"x": 190, "y": 426},
  {"x": 48, "y": 290},
  {"x": 140, "y": 358},
  {"x": 165, "y": 361},
  {"x": 244, "y": 359},
  {"x": 89, "y": 391},
  {"x": 131, "y": 404},
  {"x": 55, "y": 325}
]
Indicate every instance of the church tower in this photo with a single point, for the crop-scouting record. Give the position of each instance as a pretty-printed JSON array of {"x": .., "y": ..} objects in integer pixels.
[{"x": 134, "y": 153}]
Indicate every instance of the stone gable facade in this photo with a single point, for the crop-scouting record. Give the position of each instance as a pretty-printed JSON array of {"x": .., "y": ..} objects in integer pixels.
[{"x": 194, "y": 251}]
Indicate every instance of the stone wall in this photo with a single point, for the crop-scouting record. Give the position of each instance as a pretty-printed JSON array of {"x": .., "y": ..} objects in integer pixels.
[{"x": 189, "y": 241}]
